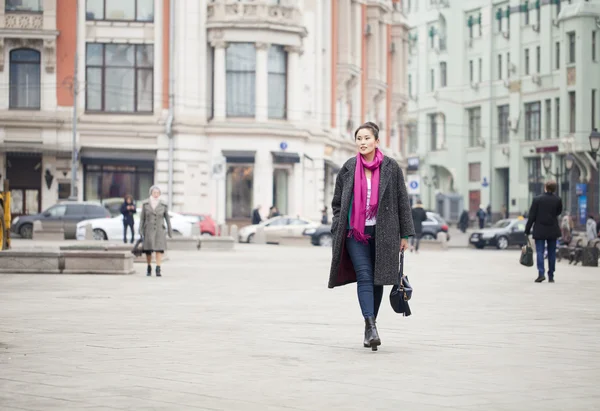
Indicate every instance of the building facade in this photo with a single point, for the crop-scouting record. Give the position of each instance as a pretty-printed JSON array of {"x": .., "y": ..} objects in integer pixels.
[
  {"x": 509, "y": 83},
  {"x": 226, "y": 106}
]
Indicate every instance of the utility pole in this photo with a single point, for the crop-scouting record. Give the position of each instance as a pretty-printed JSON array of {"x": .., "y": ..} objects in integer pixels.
[{"x": 73, "y": 196}]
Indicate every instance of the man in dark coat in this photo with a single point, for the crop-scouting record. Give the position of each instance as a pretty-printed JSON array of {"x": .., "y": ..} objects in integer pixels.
[
  {"x": 419, "y": 216},
  {"x": 463, "y": 223},
  {"x": 256, "y": 218},
  {"x": 543, "y": 216}
]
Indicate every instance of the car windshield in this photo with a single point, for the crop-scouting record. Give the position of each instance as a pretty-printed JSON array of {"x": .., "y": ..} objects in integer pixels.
[{"x": 502, "y": 224}]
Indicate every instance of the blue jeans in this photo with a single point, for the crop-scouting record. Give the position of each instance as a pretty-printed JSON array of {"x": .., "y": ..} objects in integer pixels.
[
  {"x": 540, "y": 245},
  {"x": 363, "y": 260}
]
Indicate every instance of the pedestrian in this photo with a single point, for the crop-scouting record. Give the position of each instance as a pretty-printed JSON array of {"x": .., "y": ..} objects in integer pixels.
[
  {"x": 371, "y": 217},
  {"x": 273, "y": 212},
  {"x": 152, "y": 229},
  {"x": 543, "y": 216},
  {"x": 324, "y": 217},
  {"x": 128, "y": 210},
  {"x": 566, "y": 228},
  {"x": 256, "y": 218},
  {"x": 591, "y": 228},
  {"x": 463, "y": 222},
  {"x": 481, "y": 216},
  {"x": 488, "y": 214},
  {"x": 419, "y": 216},
  {"x": 504, "y": 211}
]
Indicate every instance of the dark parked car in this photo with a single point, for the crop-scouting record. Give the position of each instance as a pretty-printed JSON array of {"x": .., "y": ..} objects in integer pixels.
[
  {"x": 65, "y": 215},
  {"x": 503, "y": 234},
  {"x": 434, "y": 225},
  {"x": 320, "y": 235}
]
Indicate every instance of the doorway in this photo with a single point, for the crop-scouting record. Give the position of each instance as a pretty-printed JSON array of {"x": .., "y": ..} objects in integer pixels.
[{"x": 25, "y": 175}]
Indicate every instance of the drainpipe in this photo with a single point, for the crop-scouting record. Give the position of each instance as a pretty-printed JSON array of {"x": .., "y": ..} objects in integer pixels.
[
  {"x": 491, "y": 103},
  {"x": 169, "y": 123}
]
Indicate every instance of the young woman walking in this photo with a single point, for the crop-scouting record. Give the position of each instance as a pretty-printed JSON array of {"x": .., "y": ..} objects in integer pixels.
[
  {"x": 371, "y": 224},
  {"x": 152, "y": 229}
]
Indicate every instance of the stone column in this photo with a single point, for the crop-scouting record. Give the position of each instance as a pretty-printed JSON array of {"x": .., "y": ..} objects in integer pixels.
[
  {"x": 220, "y": 85},
  {"x": 294, "y": 84},
  {"x": 262, "y": 81}
]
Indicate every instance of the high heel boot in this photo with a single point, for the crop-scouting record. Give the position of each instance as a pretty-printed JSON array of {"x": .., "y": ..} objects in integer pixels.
[{"x": 371, "y": 334}]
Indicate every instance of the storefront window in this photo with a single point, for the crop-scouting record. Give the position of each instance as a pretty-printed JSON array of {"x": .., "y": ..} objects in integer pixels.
[
  {"x": 239, "y": 191},
  {"x": 116, "y": 181},
  {"x": 280, "y": 190}
]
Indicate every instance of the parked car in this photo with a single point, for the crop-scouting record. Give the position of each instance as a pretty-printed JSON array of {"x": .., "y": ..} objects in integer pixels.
[
  {"x": 434, "y": 225},
  {"x": 503, "y": 234},
  {"x": 112, "y": 228},
  {"x": 320, "y": 235},
  {"x": 208, "y": 226},
  {"x": 277, "y": 227},
  {"x": 65, "y": 215}
]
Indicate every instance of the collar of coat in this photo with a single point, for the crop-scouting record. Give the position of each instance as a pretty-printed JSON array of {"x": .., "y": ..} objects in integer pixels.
[{"x": 385, "y": 175}]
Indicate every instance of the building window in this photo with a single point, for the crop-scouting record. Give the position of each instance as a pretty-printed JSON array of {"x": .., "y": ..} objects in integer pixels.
[
  {"x": 474, "y": 172},
  {"x": 594, "y": 45},
  {"x": 538, "y": 59},
  {"x": 471, "y": 71},
  {"x": 433, "y": 131},
  {"x": 571, "y": 47},
  {"x": 548, "y": 119},
  {"x": 432, "y": 79},
  {"x": 241, "y": 80},
  {"x": 120, "y": 78},
  {"x": 413, "y": 139},
  {"x": 572, "y": 111},
  {"x": 557, "y": 117},
  {"x": 443, "y": 74},
  {"x": 593, "y": 109},
  {"x": 480, "y": 70},
  {"x": 499, "y": 66},
  {"x": 410, "y": 93},
  {"x": 25, "y": 79},
  {"x": 532, "y": 121},
  {"x": 277, "y": 82},
  {"x": 557, "y": 47},
  {"x": 535, "y": 177},
  {"x": 507, "y": 65},
  {"x": 503, "y": 131},
  {"x": 474, "y": 126},
  {"x": 120, "y": 10},
  {"x": 32, "y": 6},
  {"x": 104, "y": 181},
  {"x": 239, "y": 189},
  {"x": 526, "y": 62},
  {"x": 557, "y": 8}
]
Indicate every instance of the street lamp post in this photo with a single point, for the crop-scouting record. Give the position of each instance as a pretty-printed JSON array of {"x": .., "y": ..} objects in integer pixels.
[
  {"x": 547, "y": 162},
  {"x": 594, "y": 148}
]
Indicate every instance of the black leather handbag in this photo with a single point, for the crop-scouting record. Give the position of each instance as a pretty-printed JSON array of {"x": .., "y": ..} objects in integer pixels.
[
  {"x": 526, "y": 258},
  {"x": 137, "y": 248},
  {"x": 402, "y": 292}
]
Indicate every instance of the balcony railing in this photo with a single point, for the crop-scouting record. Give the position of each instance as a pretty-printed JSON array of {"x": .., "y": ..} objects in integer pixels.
[
  {"x": 281, "y": 12},
  {"x": 28, "y": 6}
]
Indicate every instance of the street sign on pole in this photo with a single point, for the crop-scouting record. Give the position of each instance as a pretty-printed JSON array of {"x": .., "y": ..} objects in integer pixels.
[{"x": 413, "y": 184}]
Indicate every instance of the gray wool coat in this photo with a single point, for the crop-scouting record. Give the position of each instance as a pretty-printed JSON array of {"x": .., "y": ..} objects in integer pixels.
[
  {"x": 152, "y": 226},
  {"x": 394, "y": 221}
]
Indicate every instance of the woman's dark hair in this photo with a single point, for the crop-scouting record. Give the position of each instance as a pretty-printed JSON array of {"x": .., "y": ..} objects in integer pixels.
[
  {"x": 129, "y": 197},
  {"x": 371, "y": 126}
]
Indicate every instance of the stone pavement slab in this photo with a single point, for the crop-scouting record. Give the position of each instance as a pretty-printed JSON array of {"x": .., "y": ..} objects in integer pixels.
[{"x": 257, "y": 329}]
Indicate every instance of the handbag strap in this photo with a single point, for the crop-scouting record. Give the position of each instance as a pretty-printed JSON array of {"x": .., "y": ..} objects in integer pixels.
[{"x": 401, "y": 271}]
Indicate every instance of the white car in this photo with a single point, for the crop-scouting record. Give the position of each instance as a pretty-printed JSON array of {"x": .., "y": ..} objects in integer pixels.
[
  {"x": 112, "y": 228},
  {"x": 277, "y": 227}
]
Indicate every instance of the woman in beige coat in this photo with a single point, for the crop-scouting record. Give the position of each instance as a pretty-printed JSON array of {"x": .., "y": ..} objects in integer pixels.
[{"x": 152, "y": 228}]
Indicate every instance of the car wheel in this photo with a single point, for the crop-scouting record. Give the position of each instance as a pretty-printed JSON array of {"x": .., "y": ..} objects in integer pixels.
[
  {"x": 325, "y": 240},
  {"x": 480, "y": 247},
  {"x": 99, "y": 235},
  {"x": 26, "y": 231},
  {"x": 502, "y": 243},
  {"x": 428, "y": 236},
  {"x": 250, "y": 239}
]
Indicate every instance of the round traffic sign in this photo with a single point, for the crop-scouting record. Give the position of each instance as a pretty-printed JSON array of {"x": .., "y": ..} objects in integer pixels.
[{"x": 414, "y": 185}]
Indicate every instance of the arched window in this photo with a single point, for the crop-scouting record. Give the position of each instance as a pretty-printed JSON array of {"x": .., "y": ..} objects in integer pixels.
[{"x": 24, "y": 79}]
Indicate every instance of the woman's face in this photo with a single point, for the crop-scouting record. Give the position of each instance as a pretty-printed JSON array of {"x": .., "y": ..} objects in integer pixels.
[
  {"x": 366, "y": 142},
  {"x": 128, "y": 200},
  {"x": 156, "y": 193}
]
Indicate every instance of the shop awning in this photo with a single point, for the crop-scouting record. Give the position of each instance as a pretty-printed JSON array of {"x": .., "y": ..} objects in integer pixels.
[
  {"x": 239, "y": 156},
  {"x": 334, "y": 167},
  {"x": 96, "y": 156},
  {"x": 283, "y": 157},
  {"x": 32, "y": 149}
]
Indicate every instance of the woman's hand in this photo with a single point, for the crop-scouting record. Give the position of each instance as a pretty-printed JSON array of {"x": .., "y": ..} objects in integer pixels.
[{"x": 403, "y": 244}]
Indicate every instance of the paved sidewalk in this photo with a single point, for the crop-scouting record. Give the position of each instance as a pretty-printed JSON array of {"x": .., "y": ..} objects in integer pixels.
[{"x": 257, "y": 329}]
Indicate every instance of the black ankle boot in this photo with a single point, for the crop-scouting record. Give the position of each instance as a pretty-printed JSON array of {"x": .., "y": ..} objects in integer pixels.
[
  {"x": 371, "y": 334},
  {"x": 149, "y": 270},
  {"x": 158, "y": 271},
  {"x": 366, "y": 343}
]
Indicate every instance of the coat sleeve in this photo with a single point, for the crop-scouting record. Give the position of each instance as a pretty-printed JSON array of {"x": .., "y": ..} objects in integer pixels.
[
  {"x": 168, "y": 220},
  {"x": 124, "y": 209},
  {"x": 407, "y": 227},
  {"x": 142, "y": 220},
  {"x": 134, "y": 211},
  {"x": 532, "y": 216},
  {"x": 336, "y": 202}
]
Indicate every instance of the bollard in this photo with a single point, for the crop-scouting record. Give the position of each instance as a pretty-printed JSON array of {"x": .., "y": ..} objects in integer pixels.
[
  {"x": 89, "y": 233},
  {"x": 260, "y": 236},
  {"x": 234, "y": 232},
  {"x": 443, "y": 239}
]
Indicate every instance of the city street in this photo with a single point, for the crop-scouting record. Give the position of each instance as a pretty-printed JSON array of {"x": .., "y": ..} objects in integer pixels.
[{"x": 257, "y": 329}]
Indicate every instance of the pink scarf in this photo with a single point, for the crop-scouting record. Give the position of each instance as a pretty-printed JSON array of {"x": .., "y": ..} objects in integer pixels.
[{"x": 360, "y": 210}]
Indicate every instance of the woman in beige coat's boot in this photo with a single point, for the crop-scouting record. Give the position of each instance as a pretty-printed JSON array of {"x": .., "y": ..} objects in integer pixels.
[{"x": 152, "y": 229}]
